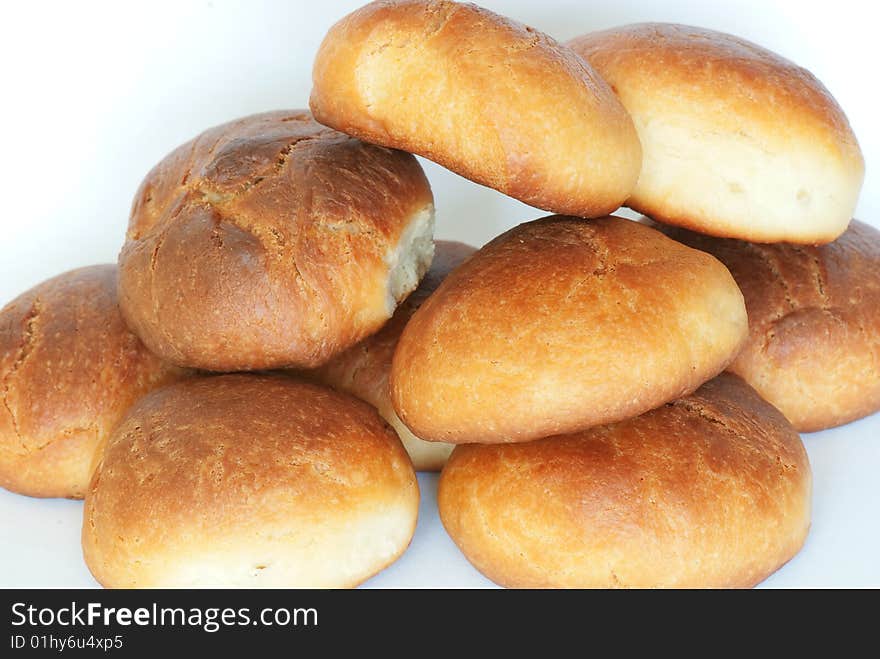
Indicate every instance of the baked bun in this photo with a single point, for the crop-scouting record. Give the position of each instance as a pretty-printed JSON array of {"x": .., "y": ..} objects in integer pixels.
[
  {"x": 248, "y": 481},
  {"x": 814, "y": 323},
  {"x": 362, "y": 371},
  {"x": 69, "y": 369},
  {"x": 484, "y": 96},
  {"x": 272, "y": 241},
  {"x": 562, "y": 324},
  {"x": 738, "y": 142},
  {"x": 712, "y": 490}
]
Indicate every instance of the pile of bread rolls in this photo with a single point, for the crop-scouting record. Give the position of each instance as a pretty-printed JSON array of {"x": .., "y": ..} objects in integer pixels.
[{"x": 245, "y": 398}]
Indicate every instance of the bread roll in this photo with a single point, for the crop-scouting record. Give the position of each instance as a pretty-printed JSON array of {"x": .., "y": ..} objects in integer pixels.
[
  {"x": 362, "y": 371},
  {"x": 561, "y": 324},
  {"x": 69, "y": 370},
  {"x": 272, "y": 241},
  {"x": 738, "y": 141},
  {"x": 248, "y": 481},
  {"x": 712, "y": 490},
  {"x": 814, "y": 317},
  {"x": 484, "y": 96}
]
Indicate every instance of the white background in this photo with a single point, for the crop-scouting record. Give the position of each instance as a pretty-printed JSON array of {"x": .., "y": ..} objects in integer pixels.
[{"x": 95, "y": 93}]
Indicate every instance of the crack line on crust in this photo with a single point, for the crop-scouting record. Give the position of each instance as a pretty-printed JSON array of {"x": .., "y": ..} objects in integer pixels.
[
  {"x": 706, "y": 415},
  {"x": 770, "y": 333},
  {"x": 190, "y": 163},
  {"x": 777, "y": 275},
  {"x": 603, "y": 267},
  {"x": 67, "y": 432},
  {"x": 160, "y": 240},
  {"x": 24, "y": 350},
  {"x": 441, "y": 15},
  {"x": 216, "y": 199},
  {"x": 819, "y": 277}
]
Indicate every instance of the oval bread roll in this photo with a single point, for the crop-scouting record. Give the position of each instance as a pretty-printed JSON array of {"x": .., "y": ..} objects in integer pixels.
[
  {"x": 248, "y": 481},
  {"x": 738, "y": 141},
  {"x": 69, "y": 370},
  {"x": 272, "y": 241},
  {"x": 491, "y": 99},
  {"x": 710, "y": 491},
  {"x": 814, "y": 323},
  {"x": 362, "y": 371},
  {"x": 561, "y": 324}
]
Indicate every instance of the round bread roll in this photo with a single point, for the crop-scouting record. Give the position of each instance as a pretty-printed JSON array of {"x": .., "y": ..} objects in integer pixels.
[
  {"x": 562, "y": 324},
  {"x": 69, "y": 370},
  {"x": 272, "y": 241},
  {"x": 362, "y": 371},
  {"x": 484, "y": 96},
  {"x": 712, "y": 490},
  {"x": 814, "y": 323},
  {"x": 737, "y": 141},
  {"x": 248, "y": 481}
]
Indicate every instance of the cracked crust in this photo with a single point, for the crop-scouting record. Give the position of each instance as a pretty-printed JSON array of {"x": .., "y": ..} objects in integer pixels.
[
  {"x": 489, "y": 98},
  {"x": 248, "y": 481},
  {"x": 738, "y": 141},
  {"x": 363, "y": 370},
  {"x": 269, "y": 242},
  {"x": 814, "y": 316},
  {"x": 712, "y": 490},
  {"x": 69, "y": 369},
  {"x": 561, "y": 324}
]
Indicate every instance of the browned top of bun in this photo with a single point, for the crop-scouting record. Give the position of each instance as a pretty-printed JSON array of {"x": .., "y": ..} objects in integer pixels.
[
  {"x": 724, "y": 74},
  {"x": 814, "y": 317},
  {"x": 265, "y": 242},
  {"x": 69, "y": 369},
  {"x": 710, "y": 490},
  {"x": 218, "y": 451}
]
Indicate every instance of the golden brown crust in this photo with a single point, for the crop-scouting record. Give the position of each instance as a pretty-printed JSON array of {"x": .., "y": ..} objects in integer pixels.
[
  {"x": 814, "y": 316},
  {"x": 737, "y": 140},
  {"x": 493, "y": 100},
  {"x": 268, "y": 242},
  {"x": 363, "y": 370},
  {"x": 560, "y": 324},
  {"x": 69, "y": 369},
  {"x": 712, "y": 490},
  {"x": 248, "y": 480}
]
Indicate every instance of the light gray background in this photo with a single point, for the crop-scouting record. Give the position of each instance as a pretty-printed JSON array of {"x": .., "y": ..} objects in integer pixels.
[{"x": 97, "y": 92}]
